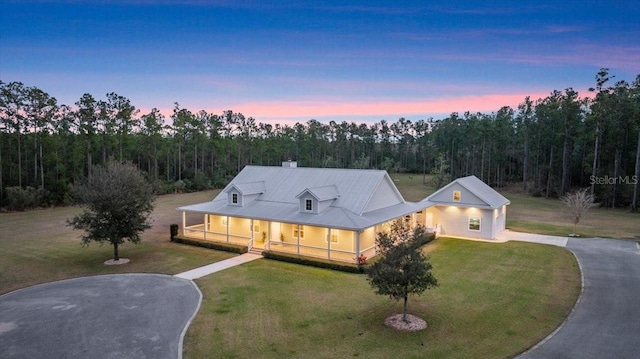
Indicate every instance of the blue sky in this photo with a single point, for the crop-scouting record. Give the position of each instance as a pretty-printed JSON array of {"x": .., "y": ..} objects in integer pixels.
[{"x": 285, "y": 61}]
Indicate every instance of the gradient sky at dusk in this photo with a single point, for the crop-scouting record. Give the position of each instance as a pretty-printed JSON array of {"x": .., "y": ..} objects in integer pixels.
[{"x": 284, "y": 61}]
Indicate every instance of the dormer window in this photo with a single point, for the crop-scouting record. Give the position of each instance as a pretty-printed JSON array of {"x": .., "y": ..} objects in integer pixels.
[
  {"x": 315, "y": 200},
  {"x": 242, "y": 194}
]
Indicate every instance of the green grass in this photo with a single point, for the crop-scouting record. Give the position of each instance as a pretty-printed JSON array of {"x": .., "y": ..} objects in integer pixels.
[
  {"x": 38, "y": 247},
  {"x": 548, "y": 216},
  {"x": 495, "y": 300}
]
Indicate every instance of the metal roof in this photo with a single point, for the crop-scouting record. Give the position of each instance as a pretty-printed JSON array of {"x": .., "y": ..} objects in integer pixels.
[
  {"x": 354, "y": 190},
  {"x": 322, "y": 193},
  {"x": 333, "y": 217},
  {"x": 248, "y": 188},
  {"x": 473, "y": 184}
]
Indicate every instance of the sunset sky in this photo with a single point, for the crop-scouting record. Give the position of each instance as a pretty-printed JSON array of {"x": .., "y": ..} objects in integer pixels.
[{"x": 287, "y": 61}]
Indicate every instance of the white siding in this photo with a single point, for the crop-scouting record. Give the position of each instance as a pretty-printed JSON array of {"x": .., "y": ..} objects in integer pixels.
[
  {"x": 454, "y": 221},
  {"x": 466, "y": 197}
]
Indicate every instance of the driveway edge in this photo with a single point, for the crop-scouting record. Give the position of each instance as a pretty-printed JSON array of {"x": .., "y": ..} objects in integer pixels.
[
  {"x": 86, "y": 276},
  {"x": 186, "y": 326},
  {"x": 575, "y": 305}
]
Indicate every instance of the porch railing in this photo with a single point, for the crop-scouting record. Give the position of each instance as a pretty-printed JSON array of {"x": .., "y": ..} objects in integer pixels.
[{"x": 198, "y": 231}]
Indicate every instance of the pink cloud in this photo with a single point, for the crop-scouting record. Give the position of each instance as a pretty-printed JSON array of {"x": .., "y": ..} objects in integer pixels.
[{"x": 291, "y": 111}]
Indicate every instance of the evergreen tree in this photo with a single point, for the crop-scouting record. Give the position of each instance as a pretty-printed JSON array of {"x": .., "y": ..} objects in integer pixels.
[
  {"x": 117, "y": 201},
  {"x": 402, "y": 269}
]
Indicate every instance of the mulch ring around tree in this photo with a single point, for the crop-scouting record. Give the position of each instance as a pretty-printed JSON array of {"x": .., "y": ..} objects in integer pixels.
[
  {"x": 113, "y": 262},
  {"x": 413, "y": 323}
]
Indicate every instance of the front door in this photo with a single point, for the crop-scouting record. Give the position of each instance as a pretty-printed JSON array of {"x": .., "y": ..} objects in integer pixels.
[{"x": 259, "y": 234}]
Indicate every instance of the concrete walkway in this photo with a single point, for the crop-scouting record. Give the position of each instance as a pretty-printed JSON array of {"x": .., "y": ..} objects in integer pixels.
[
  {"x": 508, "y": 235},
  {"x": 218, "y": 266}
]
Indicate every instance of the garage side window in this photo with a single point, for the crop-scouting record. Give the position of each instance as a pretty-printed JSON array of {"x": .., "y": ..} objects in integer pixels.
[{"x": 474, "y": 223}]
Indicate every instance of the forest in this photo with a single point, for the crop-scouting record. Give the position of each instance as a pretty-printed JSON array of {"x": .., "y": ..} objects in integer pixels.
[{"x": 548, "y": 146}]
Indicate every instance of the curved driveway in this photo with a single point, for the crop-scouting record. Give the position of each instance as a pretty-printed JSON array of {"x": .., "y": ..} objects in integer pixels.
[
  {"x": 606, "y": 321},
  {"x": 109, "y": 316}
]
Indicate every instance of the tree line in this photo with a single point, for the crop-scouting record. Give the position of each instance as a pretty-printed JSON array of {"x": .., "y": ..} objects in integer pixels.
[{"x": 549, "y": 145}]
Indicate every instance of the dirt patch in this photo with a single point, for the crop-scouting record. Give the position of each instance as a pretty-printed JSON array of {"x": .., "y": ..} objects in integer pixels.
[{"x": 413, "y": 323}]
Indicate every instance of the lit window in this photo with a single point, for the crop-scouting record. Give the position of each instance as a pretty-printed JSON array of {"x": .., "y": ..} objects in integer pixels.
[
  {"x": 308, "y": 205},
  {"x": 234, "y": 198},
  {"x": 335, "y": 235},
  {"x": 295, "y": 231},
  {"x": 456, "y": 196},
  {"x": 334, "y": 238},
  {"x": 223, "y": 220},
  {"x": 474, "y": 223}
]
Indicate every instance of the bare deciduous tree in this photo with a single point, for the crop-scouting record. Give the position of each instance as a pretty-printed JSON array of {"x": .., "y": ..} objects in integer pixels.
[{"x": 578, "y": 202}]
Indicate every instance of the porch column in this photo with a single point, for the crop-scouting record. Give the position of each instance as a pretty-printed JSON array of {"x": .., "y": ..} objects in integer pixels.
[
  {"x": 227, "y": 229},
  {"x": 375, "y": 234},
  {"x": 206, "y": 225},
  {"x": 269, "y": 235},
  {"x": 329, "y": 243},
  {"x": 298, "y": 239},
  {"x": 184, "y": 221},
  {"x": 251, "y": 229},
  {"x": 494, "y": 222},
  {"x": 357, "y": 245}
]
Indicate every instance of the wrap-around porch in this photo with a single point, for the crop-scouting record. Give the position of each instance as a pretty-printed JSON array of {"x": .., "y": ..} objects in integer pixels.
[{"x": 306, "y": 240}]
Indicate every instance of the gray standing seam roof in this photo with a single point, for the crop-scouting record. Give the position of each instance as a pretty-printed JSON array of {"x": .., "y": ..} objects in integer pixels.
[
  {"x": 478, "y": 188},
  {"x": 249, "y": 188},
  {"x": 322, "y": 193},
  {"x": 351, "y": 188}
]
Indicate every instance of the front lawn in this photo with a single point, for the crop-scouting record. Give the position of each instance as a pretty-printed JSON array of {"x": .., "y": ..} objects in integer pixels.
[
  {"x": 38, "y": 247},
  {"x": 494, "y": 301}
]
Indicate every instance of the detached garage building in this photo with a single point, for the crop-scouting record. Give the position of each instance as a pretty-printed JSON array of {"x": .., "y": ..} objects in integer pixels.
[{"x": 467, "y": 207}]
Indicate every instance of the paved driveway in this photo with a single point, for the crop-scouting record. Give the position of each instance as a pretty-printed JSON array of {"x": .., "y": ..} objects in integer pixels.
[
  {"x": 109, "y": 316},
  {"x": 606, "y": 320}
]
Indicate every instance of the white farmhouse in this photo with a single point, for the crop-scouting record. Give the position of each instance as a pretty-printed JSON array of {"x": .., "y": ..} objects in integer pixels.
[{"x": 335, "y": 213}]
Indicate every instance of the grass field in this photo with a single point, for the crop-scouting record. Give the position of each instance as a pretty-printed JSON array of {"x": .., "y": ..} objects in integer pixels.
[
  {"x": 38, "y": 247},
  {"x": 494, "y": 301}
]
